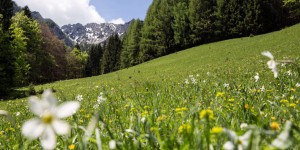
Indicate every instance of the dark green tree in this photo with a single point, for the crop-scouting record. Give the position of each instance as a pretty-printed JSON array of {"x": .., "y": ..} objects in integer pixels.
[
  {"x": 94, "y": 60},
  {"x": 6, "y": 9},
  {"x": 111, "y": 55},
  {"x": 131, "y": 44},
  {"x": 27, "y": 12}
]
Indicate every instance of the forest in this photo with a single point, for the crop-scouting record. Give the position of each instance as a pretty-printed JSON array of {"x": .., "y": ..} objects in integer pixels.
[{"x": 31, "y": 54}]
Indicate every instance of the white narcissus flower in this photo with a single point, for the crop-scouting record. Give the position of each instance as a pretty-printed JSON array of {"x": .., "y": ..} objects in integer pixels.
[
  {"x": 256, "y": 77},
  {"x": 271, "y": 63},
  {"x": 283, "y": 141},
  {"x": 242, "y": 142},
  {"x": 48, "y": 122}
]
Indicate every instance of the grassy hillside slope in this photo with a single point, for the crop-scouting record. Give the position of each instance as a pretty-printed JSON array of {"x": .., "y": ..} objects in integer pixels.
[{"x": 224, "y": 72}]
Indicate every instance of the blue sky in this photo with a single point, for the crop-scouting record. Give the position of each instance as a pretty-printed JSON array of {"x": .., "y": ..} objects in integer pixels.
[
  {"x": 125, "y": 9},
  {"x": 88, "y": 11}
]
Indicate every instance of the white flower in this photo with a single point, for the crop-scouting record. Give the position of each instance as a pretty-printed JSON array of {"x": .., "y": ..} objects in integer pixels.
[
  {"x": 48, "y": 121},
  {"x": 143, "y": 120},
  {"x": 79, "y": 98},
  {"x": 18, "y": 113},
  {"x": 242, "y": 142},
  {"x": 283, "y": 141},
  {"x": 297, "y": 84},
  {"x": 186, "y": 81},
  {"x": 262, "y": 88},
  {"x": 271, "y": 63},
  {"x": 194, "y": 81},
  {"x": 256, "y": 77},
  {"x": 243, "y": 126},
  {"x": 289, "y": 73},
  {"x": 112, "y": 144},
  {"x": 100, "y": 98},
  {"x": 226, "y": 85}
]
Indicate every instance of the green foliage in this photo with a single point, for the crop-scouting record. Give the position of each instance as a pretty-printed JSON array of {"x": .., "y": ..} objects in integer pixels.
[
  {"x": 131, "y": 44},
  {"x": 111, "y": 55},
  {"x": 94, "y": 60}
]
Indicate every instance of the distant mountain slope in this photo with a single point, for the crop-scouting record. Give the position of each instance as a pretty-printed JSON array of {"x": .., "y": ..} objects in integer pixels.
[
  {"x": 53, "y": 27},
  {"x": 93, "y": 33}
]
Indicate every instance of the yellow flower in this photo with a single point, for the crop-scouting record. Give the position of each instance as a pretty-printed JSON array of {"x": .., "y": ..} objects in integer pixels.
[
  {"x": 146, "y": 107},
  {"x": 231, "y": 100},
  {"x": 71, "y": 147},
  {"x": 274, "y": 126},
  {"x": 293, "y": 90},
  {"x": 273, "y": 118},
  {"x": 284, "y": 101},
  {"x": 184, "y": 109},
  {"x": 246, "y": 106},
  {"x": 220, "y": 94},
  {"x": 216, "y": 130},
  {"x": 293, "y": 105},
  {"x": 185, "y": 128},
  {"x": 207, "y": 113},
  {"x": 145, "y": 113},
  {"x": 161, "y": 118},
  {"x": 178, "y": 110}
]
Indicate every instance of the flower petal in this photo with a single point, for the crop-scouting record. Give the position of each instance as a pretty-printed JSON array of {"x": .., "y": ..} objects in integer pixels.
[
  {"x": 228, "y": 146},
  {"x": 48, "y": 96},
  {"x": 267, "y": 54},
  {"x": 33, "y": 128},
  {"x": 61, "y": 127},
  {"x": 67, "y": 109},
  {"x": 48, "y": 139},
  {"x": 36, "y": 106}
]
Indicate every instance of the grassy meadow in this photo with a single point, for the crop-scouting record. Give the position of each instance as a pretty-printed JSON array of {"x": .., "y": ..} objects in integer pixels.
[{"x": 198, "y": 98}]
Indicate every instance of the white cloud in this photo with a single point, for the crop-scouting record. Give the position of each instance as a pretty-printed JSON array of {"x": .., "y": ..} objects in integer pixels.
[
  {"x": 117, "y": 21},
  {"x": 64, "y": 11}
]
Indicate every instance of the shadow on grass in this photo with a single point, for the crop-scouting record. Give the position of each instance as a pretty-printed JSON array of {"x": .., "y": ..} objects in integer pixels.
[{"x": 14, "y": 94}]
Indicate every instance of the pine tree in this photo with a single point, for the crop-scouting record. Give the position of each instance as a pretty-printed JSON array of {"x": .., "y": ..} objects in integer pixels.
[
  {"x": 6, "y": 9},
  {"x": 27, "y": 11},
  {"x": 94, "y": 60},
  {"x": 111, "y": 55},
  {"x": 130, "y": 44},
  {"x": 181, "y": 25}
]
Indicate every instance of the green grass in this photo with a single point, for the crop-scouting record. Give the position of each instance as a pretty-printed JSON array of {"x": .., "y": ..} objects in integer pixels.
[{"x": 157, "y": 91}]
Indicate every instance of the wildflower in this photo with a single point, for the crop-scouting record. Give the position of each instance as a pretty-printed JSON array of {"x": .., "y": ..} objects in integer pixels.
[
  {"x": 194, "y": 81},
  {"x": 246, "y": 106},
  {"x": 185, "y": 128},
  {"x": 220, "y": 94},
  {"x": 207, "y": 113},
  {"x": 100, "y": 98},
  {"x": 274, "y": 126},
  {"x": 112, "y": 144},
  {"x": 273, "y": 118},
  {"x": 48, "y": 122},
  {"x": 18, "y": 113},
  {"x": 71, "y": 147},
  {"x": 216, "y": 130},
  {"x": 243, "y": 126},
  {"x": 293, "y": 105},
  {"x": 297, "y": 84},
  {"x": 271, "y": 63},
  {"x": 256, "y": 77},
  {"x": 226, "y": 85},
  {"x": 284, "y": 101},
  {"x": 231, "y": 100},
  {"x": 143, "y": 120},
  {"x": 289, "y": 73},
  {"x": 242, "y": 142},
  {"x": 262, "y": 89},
  {"x": 283, "y": 140},
  {"x": 186, "y": 81},
  {"x": 79, "y": 98}
]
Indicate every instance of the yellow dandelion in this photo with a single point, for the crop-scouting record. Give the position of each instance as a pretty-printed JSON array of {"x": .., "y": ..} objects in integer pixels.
[
  {"x": 231, "y": 100},
  {"x": 207, "y": 113},
  {"x": 184, "y": 109},
  {"x": 274, "y": 126},
  {"x": 284, "y": 101},
  {"x": 185, "y": 128},
  {"x": 293, "y": 105},
  {"x": 273, "y": 118},
  {"x": 177, "y": 109},
  {"x": 220, "y": 94},
  {"x": 161, "y": 118},
  {"x": 71, "y": 147},
  {"x": 246, "y": 106},
  {"x": 216, "y": 130}
]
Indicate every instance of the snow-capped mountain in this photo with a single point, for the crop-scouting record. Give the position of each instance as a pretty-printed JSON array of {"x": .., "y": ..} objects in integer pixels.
[{"x": 93, "y": 33}]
